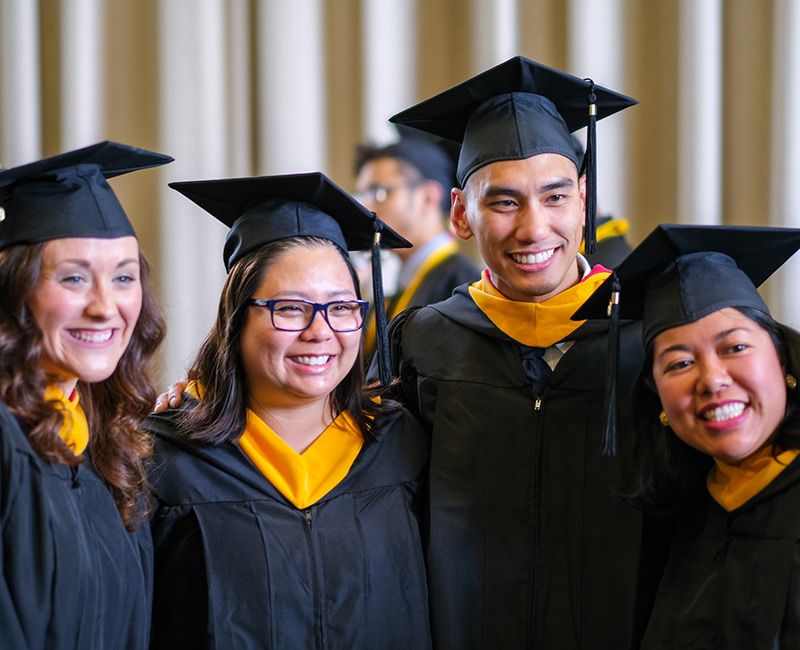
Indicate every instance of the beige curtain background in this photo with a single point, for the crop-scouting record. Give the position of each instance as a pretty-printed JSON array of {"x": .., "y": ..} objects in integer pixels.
[{"x": 239, "y": 87}]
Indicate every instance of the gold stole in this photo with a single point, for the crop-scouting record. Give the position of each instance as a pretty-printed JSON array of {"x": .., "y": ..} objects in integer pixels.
[
  {"x": 732, "y": 486},
  {"x": 303, "y": 478},
  {"x": 536, "y": 324},
  {"x": 75, "y": 429}
]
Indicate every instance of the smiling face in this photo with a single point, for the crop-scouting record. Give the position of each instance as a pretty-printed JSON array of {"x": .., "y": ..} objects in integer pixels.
[
  {"x": 527, "y": 217},
  {"x": 288, "y": 369},
  {"x": 86, "y": 304},
  {"x": 721, "y": 384}
]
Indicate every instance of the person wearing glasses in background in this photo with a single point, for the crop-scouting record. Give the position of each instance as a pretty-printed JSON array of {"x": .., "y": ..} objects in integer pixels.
[
  {"x": 407, "y": 184},
  {"x": 285, "y": 490}
]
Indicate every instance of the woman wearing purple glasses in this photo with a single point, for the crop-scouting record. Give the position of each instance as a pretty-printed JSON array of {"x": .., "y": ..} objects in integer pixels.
[{"x": 285, "y": 490}]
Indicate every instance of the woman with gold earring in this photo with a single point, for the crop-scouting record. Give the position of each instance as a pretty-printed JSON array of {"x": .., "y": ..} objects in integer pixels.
[{"x": 718, "y": 438}]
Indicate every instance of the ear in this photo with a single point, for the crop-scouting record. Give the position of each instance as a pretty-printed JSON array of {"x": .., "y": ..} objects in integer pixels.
[{"x": 458, "y": 214}]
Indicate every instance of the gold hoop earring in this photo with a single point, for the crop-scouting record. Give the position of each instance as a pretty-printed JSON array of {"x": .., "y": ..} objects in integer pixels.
[
  {"x": 791, "y": 382},
  {"x": 663, "y": 420}
]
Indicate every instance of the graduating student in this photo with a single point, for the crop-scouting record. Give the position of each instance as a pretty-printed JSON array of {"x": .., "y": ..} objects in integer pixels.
[
  {"x": 78, "y": 328},
  {"x": 527, "y": 545},
  {"x": 286, "y": 513},
  {"x": 718, "y": 433}
]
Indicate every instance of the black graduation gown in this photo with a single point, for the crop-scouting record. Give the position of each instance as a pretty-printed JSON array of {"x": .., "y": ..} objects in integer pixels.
[
  {"x": 527, "y": 546},
  {"x": 238, "y": 566},
  {"x": 439, "y": 282},
  {"x": 733, "y": 578},
  {"x": 72, "y": 576}
]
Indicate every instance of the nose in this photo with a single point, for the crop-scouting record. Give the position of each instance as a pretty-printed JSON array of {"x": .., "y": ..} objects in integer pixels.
[
  {"x": 318, "y": 330},
  {"x": 532, "y": 225},
  {"x": 713, "y": 376},
  {"x": 101, "y": 305}
]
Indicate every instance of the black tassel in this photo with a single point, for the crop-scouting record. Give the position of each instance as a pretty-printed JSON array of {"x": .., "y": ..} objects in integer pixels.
[
  {"x": 590, "y": 166},
  {"x": 610, "y": 415},
  {"x": 381, "y": 326}
]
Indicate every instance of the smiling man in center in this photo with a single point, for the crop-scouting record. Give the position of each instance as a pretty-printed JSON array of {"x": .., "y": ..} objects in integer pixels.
[{"x": 527, "y": 544}]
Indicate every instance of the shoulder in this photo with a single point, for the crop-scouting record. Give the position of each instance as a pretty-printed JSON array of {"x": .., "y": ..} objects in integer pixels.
[
  {"x": 400, "y": 443},
  {"x": 455, "y": 312},
  {"x": 451, "y": 339},
  {"x": 13, "y": 439},
  {"x": 176, "y": 459},
  {"x": 184, "y": 471},
  {"x": 589, "y": 356},
  {"x": 397, "y": 423},
  {"x": 167, "y": 437}
]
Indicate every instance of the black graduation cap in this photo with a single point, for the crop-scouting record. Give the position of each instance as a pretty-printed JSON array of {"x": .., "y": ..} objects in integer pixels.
[
  {"x": 68, "y": 196},
  {"x": 516, "y": 110},
  {"x": 678, "y": 275},
  {"x": 259, "y": 210}
]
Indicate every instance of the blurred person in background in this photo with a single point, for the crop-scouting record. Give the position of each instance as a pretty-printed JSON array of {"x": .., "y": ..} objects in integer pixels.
[{"x": 407, "y": 184}]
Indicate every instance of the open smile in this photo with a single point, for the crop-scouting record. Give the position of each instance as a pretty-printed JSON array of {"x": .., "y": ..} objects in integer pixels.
[
  {"x": 723, "y": 413},
  {"x": 533, "y": 258},
  {"x": 95, "y": 337},
  {"x": 309, "y": 360}
]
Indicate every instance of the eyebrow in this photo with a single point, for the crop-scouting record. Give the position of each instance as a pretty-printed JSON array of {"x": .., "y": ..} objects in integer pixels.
[
  {"x": 87, "y": 263},
  {"x": 558, "y": 184},
  {"x": 681, "y": 347},
  {"x": 499, "y": 190},
  {"x": 302, "y": 295},
  {"x": 502, "y": 190}
]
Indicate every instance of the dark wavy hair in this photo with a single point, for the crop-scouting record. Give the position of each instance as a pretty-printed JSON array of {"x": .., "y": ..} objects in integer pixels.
[
  {"x": 115, "y": 408},
  {"x": 221, "y": 415},
  {"x": 667, "y": 470}
]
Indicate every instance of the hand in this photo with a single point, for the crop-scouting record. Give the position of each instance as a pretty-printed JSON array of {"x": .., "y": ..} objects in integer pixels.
[{"x": 172, "y": 397}]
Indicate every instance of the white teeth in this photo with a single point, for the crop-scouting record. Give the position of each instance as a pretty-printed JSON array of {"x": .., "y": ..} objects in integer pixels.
[
  {"x": 88, "y": 336},
  {"x": 726, "y": 412},
  {"x": 536, "y": 258},
  {"x": 313, "y": 361}
]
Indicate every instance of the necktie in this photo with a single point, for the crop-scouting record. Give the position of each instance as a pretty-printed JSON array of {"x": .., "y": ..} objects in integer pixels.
[{"x": 535, "y": 368}]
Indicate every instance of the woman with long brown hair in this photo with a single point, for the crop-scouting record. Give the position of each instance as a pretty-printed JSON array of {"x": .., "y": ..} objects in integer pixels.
[
  {"x": 286, "y": 491},
  {"x": 78, "y": 327}
]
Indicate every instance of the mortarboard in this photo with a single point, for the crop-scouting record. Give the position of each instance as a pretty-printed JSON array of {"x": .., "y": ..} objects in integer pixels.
[
  {"x": 263, "y": 209},
  {"x": 68, "y": 196},
  {"x": 516, "y": 110},
  {"x": 679, "y": 274}
]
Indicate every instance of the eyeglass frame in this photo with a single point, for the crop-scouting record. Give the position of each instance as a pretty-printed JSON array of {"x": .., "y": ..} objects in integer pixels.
[
  {"x": 321, "y": 307},
  {"x": 370, "y": 193}
]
